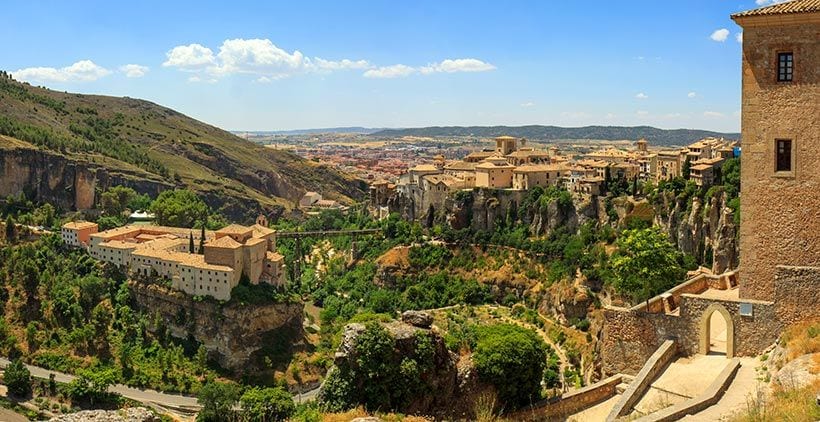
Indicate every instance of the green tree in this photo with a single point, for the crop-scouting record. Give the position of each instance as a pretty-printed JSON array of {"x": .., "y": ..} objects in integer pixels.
[
  {"x": 190, "y": 243},
  {"x": 202, "y": 241},
  {"x": 116, "y": 199},
  {"x": 686, "y": 170},
  {"x": 11, "y": 229},
  {"x": 513, "y": 359},
  {"x": 18, "y": 378},
  {"x": 92, "y": 385},
  {"x": 646, "y": 264},
  {"x": 266, "y": 404},
  {"x": 179, "y": 208},
  {"x": 217, "y": 400}
]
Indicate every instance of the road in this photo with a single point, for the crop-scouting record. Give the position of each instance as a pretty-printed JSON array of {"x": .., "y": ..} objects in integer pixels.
[{"x": 176, "y": 403}]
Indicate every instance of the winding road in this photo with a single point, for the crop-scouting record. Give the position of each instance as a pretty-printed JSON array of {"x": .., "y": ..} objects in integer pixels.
[{"x": 180, "y": 404}]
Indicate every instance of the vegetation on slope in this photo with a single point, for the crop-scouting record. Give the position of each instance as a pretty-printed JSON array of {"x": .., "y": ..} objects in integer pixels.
[{"x": 154, "y": 142}]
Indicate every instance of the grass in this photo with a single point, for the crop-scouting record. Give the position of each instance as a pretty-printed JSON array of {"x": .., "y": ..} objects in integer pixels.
[{"x": 791, "y": 404}]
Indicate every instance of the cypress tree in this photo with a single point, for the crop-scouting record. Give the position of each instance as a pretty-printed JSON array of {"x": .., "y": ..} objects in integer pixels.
[
  {"x": 190, "y": 242},
  {"x": 11, "y": 231},
  {"x": 202, "y": 240}
]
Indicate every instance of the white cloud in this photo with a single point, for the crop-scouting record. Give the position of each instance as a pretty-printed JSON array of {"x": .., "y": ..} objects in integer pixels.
[
  {"x": 457, "y": 65},
  {"x": 386, "y": 72},
  {"x": 720, "y": 35},
  {"x": 340, "y": 65},
  {"x": 134, "y": 70},
  {"x": 610, "y": 116},
  {"x": 190, "y": 57},
  {"x": 712, "y": 114},
  {"x": 268, "y": 62},
  {"x": 574, "y": 114},
  {"x": 692, "y": 94},
  {"x": 767, "y": 2},
  {"x": 739, "y": 37},
  {"x": 196, "y": 79},
  {"x": 641, "y": 96},
  {"x": 642, "y": 113},
  {"x": 528, "y": 104},
  {"x": 81, "y": 71}
]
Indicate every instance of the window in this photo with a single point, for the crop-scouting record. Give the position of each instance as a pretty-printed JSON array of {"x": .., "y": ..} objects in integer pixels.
[
  {"x": 783, "y": 152},
  {"x": 785, "y": 67}
]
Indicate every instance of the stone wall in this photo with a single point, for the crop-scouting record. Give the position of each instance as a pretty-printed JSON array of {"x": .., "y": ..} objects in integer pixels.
[
  {"x": 654, "y": 366},
  {"x": 780, "y": 222},
  {"x": 231, "y": 333},
  {"x": 630, "y": 336},
  {"x": 797, "y": 294},
  {"x": 573, "y": 402}
]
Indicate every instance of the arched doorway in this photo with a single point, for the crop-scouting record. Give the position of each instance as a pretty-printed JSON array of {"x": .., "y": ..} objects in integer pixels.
[{"x": 717, "y": 332}]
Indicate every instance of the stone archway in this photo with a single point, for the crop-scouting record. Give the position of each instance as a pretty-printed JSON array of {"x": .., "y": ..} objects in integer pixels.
[{"x": 715, "y": 323}]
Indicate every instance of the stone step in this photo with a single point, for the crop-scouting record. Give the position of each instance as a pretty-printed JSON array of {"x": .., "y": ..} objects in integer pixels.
[{"x": 620, "y": 388}]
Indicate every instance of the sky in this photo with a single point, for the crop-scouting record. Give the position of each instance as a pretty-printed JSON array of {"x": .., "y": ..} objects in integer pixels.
[{"x": 285, "y": 65}]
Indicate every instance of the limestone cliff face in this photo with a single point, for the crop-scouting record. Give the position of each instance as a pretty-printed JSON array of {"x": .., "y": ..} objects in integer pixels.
[
  {"x": 73, "y": 184},
  {"x": 705, "y": 231},
  {"x": 231, "y": 333},
  {"x": 63, "y": 182}
]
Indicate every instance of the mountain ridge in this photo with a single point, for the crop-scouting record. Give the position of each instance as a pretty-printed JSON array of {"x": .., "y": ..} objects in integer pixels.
[{"x": 667, "y": 137}]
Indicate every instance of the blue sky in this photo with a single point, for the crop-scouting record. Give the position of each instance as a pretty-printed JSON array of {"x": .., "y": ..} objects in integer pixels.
[{"x": 304, "y": 64}]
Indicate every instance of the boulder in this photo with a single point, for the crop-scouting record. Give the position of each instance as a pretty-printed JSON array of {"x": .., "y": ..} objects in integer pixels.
[
  {"x": 133, "y": 414},
  {"x": 419, "y": 319}
]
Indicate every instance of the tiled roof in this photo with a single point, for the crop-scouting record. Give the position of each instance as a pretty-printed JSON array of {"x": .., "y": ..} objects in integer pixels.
[
  {"x": 235, "y": 229},
  {"x": 224, "y": 242},
  {"x": 538, "y": 168},
  {"x": 790, "y": 7},
  {"x": 77, "y": 225}
]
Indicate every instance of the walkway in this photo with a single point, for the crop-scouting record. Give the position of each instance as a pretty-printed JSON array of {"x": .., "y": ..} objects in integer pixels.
[
  {"x": 744, "y": 386},
  {"x": 599, "y": 412},
  {"x": 684, "y": 379}
]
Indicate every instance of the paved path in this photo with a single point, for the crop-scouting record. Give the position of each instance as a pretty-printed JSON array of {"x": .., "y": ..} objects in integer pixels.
[
  {"x": 744, "y": 386},
  {"x": 684, "y": 379}
]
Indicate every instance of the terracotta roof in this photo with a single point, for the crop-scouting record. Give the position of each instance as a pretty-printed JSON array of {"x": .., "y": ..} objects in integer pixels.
[
  {"x": 538, "y": 168},
  {"x": 259, "y": 231},
  {"x": 78, "y": 225},
  {"x": 460, "y": 165},
  {"x": 224, "y": 242},
  {"x": 504, "y": 138},
  {"x": 790, "y": 7},
  {"x": 235, "y": 229},
  {"x": 528, "y": 153},
  {"x": 488, "y": 165},
  {"x": 274, "y": 256},
  {"x": 118, "y": 244},
  {"x": 424, "y": 167}
]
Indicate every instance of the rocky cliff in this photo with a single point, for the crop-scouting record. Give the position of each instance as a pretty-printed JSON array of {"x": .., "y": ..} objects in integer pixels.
[
  {"x": 705, "y": 229},
  {"x": 231, "y": 333},
  {"x": 438, "y": 382}
]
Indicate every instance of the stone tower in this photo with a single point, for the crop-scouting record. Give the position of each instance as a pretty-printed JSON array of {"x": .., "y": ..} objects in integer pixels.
[
  {"x": 505, "y": 145},
  {"x": 780, "y": 172}
]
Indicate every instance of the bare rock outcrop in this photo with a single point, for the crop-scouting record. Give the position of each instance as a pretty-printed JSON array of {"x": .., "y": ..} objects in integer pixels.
[
  {"x": 231, "y": 333},
  {"x": 133, "y": 414}
]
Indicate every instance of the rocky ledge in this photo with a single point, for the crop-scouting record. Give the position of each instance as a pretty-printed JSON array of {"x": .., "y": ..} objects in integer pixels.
[{"x": 134, "y": 414}]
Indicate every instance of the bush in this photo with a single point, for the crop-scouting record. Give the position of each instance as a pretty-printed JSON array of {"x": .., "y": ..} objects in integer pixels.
[
  {"x": 513, "y": 359},
  {"x": 267, "y": 404},
  {"x": 18, "y": 378}
]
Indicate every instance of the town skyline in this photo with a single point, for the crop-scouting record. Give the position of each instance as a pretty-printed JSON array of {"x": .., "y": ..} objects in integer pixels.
[{"x": 372, "y": 65}]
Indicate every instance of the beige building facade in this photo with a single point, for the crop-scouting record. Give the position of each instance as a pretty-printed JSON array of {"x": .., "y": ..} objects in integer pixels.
[{"x": 780, "y": 222}]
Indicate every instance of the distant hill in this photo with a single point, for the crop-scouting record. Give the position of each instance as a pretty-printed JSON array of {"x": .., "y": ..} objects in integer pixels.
[
  {"x": 549, "y": 133},
  {"x": 149, "y": 147},
  {"x": 352, "y": 129}
]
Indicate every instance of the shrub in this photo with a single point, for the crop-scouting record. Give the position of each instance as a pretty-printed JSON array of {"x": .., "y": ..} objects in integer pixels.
[{"x": 18, "y": 378}]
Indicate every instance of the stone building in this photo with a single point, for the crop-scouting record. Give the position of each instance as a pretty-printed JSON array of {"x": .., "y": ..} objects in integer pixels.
[
  {"x": 530, "y": 176},
  {"x": 741, "y": 313},
  {"x": 781, "y": 140},
  {"x": 156, "y": 251},
  {"x": 494, "y": 173},
  {"x": 78, "y": 233}
]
